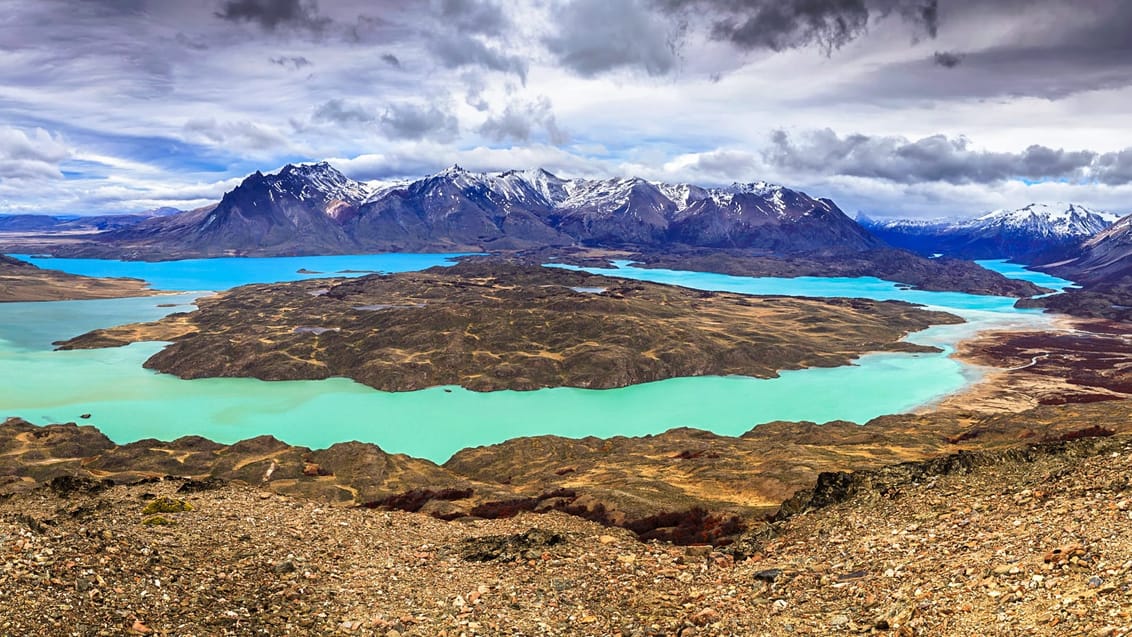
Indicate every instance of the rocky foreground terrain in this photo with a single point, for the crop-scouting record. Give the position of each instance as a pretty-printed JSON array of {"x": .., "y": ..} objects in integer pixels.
[
  {"x": 22, "y": 281},
  {"x": 1029, "y": 540},
  {"x": 489, "y": 324}
]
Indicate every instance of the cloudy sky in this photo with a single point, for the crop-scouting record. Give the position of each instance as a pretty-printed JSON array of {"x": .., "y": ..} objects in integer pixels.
[{"x": 891, "y": 107}]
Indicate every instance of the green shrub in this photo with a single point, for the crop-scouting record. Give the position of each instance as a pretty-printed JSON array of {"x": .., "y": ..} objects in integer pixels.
[{"x": 166, "y": 505}]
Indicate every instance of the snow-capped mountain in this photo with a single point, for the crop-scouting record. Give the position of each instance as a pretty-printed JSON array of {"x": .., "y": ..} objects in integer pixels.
[
  {"x": 313, "y": 208},
  {"x": 1022, "y": 234}
]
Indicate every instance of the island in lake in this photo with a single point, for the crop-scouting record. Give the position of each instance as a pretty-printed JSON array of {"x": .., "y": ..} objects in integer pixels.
[{"x": 489, "y": 324}]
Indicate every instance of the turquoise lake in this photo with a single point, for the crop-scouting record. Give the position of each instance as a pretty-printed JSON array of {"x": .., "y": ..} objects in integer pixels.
[{"x": 129, "y": 403}]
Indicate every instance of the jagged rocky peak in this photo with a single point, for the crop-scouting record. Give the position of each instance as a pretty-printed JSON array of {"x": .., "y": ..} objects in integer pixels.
[
  {"x": 754, "y": 188},
  {"x": 321, "y": 179},
  {"x": 455, "y": 175},
  {"x": 308, "y": 168},
  {"x": 774, "y": 195},
  {"x": 683, "y": 195}
]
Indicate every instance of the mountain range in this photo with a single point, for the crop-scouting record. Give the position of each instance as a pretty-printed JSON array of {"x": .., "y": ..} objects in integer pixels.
[
  {"x": 1029, "y": 234},
  {"x": 314, "y": 209},
  {"x": 758, "y": 229}
]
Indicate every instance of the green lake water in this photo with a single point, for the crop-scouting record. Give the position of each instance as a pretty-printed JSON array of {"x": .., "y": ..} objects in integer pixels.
[{"x": 129, "y": 403}]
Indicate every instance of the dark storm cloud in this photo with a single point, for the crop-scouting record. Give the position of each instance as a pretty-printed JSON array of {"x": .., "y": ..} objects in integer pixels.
[
  {"x": 391, "y": 60},
  {"x": 1048, "y": 49},
  {"x": 778, "y": 25},
  {"x": 937, "y": 159},
  {"x": 518, "y": 121},
  {"x": 595, "y": 36},
  {"x": 418, "y": 121},
  {"x": 367, "y": 29},
  {"x": 343, "y": 113},
  {"x": 947, "y": 59},
  {"x": 1043, "y": 70},
  {"x": 456, "y": 51},
  {"x": 469, "y": 34},
  {"x": 272, "y": 14},
  {"x": 474, "y": 16},
  {"x": 1114, "y": 168}
]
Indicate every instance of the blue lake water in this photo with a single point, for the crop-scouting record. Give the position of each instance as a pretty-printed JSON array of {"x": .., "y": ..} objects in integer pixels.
[
  {"x": 1016, "y": 271},
  {"x": 129, "y": 403}
]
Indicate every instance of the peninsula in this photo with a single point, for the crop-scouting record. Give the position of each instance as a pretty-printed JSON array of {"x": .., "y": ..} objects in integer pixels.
[{"x": 22, "y": 281}]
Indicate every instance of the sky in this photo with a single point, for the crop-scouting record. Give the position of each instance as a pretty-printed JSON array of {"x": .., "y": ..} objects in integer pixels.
[{"x": 912, "y": 108}]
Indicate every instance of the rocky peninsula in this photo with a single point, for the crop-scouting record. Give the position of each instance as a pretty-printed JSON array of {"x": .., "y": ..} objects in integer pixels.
[{"x": 22, "y": 281}]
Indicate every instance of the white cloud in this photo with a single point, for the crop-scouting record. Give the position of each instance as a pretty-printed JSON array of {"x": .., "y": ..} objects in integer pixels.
[{"x": 31, "y": 154}]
